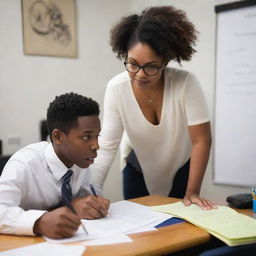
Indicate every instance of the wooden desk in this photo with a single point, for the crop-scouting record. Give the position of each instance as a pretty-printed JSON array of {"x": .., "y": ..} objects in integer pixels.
[{"x": 165, "y": 240}]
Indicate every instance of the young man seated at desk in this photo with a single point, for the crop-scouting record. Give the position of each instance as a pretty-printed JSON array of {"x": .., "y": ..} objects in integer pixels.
[{"x": 40, "y": 177}]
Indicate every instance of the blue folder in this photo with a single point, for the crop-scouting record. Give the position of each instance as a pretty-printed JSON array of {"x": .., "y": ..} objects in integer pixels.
[{"x": 170, "y": 221}]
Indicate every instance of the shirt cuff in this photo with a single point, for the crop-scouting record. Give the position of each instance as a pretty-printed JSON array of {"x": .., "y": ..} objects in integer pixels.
[{"x": 25, "y": 223}]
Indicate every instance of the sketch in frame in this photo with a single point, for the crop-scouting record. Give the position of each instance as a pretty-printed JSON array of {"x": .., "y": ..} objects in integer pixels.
[{"x": 49, "y": 27}]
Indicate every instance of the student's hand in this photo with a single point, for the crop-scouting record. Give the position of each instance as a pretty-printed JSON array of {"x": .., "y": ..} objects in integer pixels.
[
  {"x": 194, "y": 198},
  {"x": 59, "y": 223},
  {"x": 91, "y": 207}
]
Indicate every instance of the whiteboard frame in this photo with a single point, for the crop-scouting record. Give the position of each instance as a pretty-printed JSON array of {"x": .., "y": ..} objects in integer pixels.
[{"x": 219, "y": 9}]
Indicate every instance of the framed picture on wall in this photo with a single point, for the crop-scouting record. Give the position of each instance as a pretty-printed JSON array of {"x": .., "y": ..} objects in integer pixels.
[{"x": 49, "y": 27}]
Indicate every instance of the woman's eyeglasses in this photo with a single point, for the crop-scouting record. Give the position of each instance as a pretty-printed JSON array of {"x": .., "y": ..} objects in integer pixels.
[{"x": 149, "y": 70}]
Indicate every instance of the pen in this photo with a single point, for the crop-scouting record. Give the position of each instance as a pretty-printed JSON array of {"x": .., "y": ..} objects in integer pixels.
[
  {"x": 70, "y": 206},
  {"x": 93, "y": 190},
  {"x": 94, "y": 193}
]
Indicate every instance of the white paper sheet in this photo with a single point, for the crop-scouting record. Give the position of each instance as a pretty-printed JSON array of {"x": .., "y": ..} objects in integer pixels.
[
  {"x": 142, "y": 229},
  {"x": 46, "y": 249},
  {"x": 124, "y": 217},
  {"x": 78, "y": 236},
  {"x": 121, "y": 238}
]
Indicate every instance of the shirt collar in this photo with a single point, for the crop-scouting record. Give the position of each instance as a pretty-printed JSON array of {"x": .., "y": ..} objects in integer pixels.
[{"x": 55, "y": 165}]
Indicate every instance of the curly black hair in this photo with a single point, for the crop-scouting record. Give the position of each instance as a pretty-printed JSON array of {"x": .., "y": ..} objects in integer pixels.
[
  {"x": 64, "y": 110},
  {"x": 165, "y": 29}
]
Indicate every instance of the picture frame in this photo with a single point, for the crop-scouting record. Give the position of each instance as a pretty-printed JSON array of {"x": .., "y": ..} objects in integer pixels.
[{"x": 49, "y": 28}]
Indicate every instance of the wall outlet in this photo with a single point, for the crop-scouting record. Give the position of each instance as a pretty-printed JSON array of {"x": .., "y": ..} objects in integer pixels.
[{"x": 14, "y": 140}]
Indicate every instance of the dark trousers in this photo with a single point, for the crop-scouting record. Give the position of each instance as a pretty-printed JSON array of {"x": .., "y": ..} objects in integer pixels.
[{"x": 134, "y": 183}]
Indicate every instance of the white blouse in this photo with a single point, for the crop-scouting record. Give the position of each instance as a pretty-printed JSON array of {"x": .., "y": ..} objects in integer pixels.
[{"x": 161, "y": 149}]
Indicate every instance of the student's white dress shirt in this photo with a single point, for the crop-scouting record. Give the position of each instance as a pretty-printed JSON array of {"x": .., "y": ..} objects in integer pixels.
[
  {"x": 31, "y": 184},
  {"x": 161, "y": 149}
]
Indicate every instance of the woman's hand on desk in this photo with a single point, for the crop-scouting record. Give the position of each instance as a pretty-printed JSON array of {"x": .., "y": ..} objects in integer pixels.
[
  {"x": 194, "y": 198},
  {"x": 91, "y": 207},
  {"x": 56, "y": 224}
]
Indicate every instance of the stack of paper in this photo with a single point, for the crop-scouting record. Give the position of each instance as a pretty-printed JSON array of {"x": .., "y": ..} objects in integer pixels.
[
  {"x": 123, "y": 217},
  {"x": 224, "y": 223},
  {"x": 46, "y": 249}
]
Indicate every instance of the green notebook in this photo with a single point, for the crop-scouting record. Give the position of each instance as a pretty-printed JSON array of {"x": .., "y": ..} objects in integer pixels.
[{"x": 225, "y": 223}]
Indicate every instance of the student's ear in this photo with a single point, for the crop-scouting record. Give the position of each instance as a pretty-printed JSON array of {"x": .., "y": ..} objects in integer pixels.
[{"x": 57, "y": 136}]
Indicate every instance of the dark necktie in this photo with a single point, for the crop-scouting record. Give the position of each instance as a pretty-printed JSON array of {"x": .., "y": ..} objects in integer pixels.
[{"x": 66, "y": 191}]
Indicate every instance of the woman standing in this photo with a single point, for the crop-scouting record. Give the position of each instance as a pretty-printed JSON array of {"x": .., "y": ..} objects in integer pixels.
[{"x": 161, "y": 110}]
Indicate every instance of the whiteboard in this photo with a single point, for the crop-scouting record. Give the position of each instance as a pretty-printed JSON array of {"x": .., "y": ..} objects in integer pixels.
[{"x": 234, "y": 160}]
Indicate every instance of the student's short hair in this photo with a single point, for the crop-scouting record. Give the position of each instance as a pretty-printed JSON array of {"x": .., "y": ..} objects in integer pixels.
[
  {"x": 64, "y": 110},
  {"x": 165, "y": 29}
]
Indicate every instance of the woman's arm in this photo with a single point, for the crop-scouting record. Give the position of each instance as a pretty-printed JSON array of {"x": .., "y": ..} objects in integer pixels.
[
  {"x": 109, "y": 140},
  {"x": 201, "y": 144}
]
